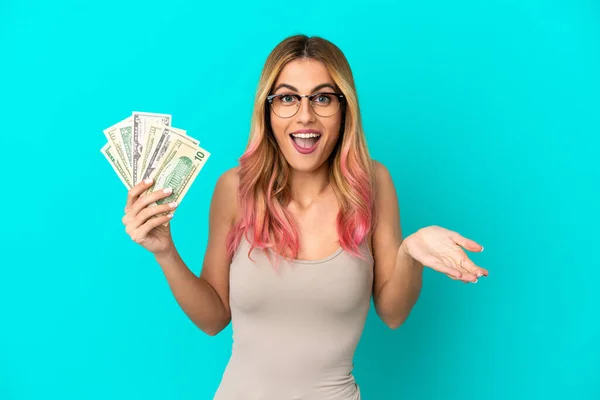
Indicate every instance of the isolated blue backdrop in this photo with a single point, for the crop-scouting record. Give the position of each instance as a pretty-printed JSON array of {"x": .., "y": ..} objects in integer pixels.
[{"x": 486, "y": 114}]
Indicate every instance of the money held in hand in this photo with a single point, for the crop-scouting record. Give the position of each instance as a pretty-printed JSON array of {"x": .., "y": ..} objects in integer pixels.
[
  {"x": 179, "y": 167},
  {"x": 146, "y": 145}
]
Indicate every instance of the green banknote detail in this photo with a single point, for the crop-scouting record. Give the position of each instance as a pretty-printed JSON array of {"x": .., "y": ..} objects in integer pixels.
[
  {"x": 179, "y": 167},
  {"x": 160, "y": 140},
  {"x": 117, "y": 164},
  {"x": 127, "y": 137},
  {"x": 142, "y": 122},
  {"x": 113, "y": 134},
  {"x": 177, "y": 179}
]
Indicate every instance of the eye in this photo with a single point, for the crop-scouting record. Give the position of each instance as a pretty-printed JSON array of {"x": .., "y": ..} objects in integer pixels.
[
  {"x": 323, "y": 99},
  {"x": 288, "y": 98}
]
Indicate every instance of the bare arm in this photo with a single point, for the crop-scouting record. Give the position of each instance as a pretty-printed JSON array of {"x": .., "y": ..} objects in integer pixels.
[
  {"x": 205, "y": 299},
  {"x": 398, "y": 277}
]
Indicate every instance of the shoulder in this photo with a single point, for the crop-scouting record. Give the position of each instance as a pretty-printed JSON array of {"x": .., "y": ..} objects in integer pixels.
[
  {"x": 225, "y": 193},
  {"x": 382, "y": 177},
  {"x": 229, "y": 180},
  {"x": 378, "y": 167}
]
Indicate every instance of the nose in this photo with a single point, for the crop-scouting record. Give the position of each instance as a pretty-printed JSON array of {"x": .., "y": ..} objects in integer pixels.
[{"x": 305, "y": 114}]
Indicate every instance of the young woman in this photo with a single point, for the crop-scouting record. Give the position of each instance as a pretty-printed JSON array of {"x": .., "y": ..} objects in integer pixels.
[{"x": 301, "y": 235}]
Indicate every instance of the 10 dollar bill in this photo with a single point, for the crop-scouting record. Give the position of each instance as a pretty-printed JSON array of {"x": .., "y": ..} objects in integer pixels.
[{"x": 179, "y": 167}]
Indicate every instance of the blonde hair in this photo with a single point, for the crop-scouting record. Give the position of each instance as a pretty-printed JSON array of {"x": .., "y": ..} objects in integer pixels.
[{"x": 264, "y": 173}]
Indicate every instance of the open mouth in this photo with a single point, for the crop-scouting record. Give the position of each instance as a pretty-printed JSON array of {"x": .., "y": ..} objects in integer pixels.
[{"x": 305, "y": 143}]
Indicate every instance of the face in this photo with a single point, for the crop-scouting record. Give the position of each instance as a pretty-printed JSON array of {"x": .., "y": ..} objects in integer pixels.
[{"x": 306, "y": 139}]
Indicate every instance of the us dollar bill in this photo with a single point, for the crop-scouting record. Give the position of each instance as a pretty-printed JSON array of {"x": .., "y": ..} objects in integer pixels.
[
  {"x": 126, "y": 132},
  {"x": 178, "y": 169},
  {"x": 142, "y": 122},
  {"x": 157, "y": 138},
  {"x": 118, "y": 148},
  {"x": 116, "y": 163}
]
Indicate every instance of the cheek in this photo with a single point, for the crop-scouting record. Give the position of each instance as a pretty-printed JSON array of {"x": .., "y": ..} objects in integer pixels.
[
  {"x": 279, "y": 128},
  {"x": 334, "y": 128}
]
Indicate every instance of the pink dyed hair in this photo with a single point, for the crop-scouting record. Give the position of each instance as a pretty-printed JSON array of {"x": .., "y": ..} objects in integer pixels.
[{"x": 264, "y": 173}]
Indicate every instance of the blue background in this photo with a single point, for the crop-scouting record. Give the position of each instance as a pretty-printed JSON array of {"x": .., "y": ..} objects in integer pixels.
[{"x": 486, "y": 113}]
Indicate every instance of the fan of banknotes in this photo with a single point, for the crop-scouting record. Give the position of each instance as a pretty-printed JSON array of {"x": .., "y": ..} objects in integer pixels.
[{"x": 145, "y": 145}]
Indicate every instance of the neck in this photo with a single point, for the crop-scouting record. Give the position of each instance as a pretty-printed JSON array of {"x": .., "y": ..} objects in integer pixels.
[{"x": 306, "y": 187}]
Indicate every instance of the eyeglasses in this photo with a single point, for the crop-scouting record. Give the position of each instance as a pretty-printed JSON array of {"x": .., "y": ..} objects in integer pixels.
[{"x": 287, "y": 105}]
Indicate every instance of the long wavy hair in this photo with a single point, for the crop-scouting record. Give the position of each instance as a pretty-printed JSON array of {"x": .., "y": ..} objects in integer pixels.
[{"x": 264, "y": 172}]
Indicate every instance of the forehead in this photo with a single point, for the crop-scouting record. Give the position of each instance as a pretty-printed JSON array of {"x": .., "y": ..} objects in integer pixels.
[{"x": 304, "y": 74}]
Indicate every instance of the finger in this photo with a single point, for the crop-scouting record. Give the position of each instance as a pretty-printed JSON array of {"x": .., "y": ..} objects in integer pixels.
[
  {"x": 153, "y": 223},
  {"x": 454, "y": 261},
  {"x": 469, "y": 272},
  {"x": 457, "y": 279},
  {"x": 473, "y": 269},
  {"x": 465, "y": 278},
  {"x": 465, "y": 243},
  {"x": 452, "y": 272},
  {"x": 454, "y": 278},
  {"x": 468, "y": 275},
  {"x": 131, "y": 219},
  {"x": 135, "y": 192},
  {"x": 148, "y": 199},
  {"x": 152, "y": 211}
]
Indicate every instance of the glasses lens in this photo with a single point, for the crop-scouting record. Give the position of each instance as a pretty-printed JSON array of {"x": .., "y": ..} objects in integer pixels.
[
  {"x": 325, "y": 105},
  {"x": 285, "y": 106}
]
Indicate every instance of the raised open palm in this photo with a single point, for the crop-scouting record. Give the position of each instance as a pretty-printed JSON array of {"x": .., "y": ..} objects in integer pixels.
[{"x": 442, "y": 250}]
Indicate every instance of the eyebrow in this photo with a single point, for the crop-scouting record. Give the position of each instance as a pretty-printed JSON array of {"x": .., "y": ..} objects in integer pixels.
[{"x": 321, "y": 86}]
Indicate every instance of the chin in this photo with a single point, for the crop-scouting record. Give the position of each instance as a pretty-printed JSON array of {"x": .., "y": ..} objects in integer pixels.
[
  {"x": 304, "y": 167},
  {"x": 302, "y": 163}
]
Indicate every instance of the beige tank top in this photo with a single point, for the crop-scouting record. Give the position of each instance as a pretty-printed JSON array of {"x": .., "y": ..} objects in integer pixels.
[{"x": 295, "y": 330}]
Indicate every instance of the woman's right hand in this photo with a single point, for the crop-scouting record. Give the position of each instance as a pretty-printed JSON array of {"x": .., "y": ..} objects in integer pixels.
[{"x": 139, "y": 222}]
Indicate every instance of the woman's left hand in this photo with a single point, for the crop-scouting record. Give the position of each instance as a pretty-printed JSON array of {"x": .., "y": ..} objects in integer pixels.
[{"x": 442, "y": 250}]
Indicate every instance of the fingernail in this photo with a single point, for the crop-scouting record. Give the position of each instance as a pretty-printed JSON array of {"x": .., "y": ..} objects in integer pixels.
[
  {"x": 476, "y": 280},
  {"x": 173, "y": 204},
  {"x": 479, "y": 275},
  {"x": 147, "y": 181},
  {"x": 170, "y": 215},
  {"x": 167, "y": 190},
  {"x": 481, "y": 249}
]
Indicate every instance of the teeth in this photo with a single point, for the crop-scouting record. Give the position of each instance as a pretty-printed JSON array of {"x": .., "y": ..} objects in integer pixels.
[{"x": 305, "y": 135}]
